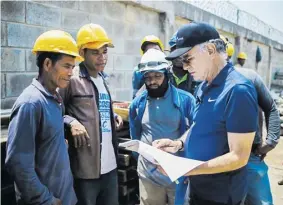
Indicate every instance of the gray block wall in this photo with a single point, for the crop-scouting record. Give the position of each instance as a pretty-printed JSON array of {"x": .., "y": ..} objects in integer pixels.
[{"x": 126, "y": 23}]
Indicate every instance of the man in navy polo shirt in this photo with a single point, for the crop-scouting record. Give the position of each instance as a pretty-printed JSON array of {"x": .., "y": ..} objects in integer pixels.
[{"x": 225, "y": 119}]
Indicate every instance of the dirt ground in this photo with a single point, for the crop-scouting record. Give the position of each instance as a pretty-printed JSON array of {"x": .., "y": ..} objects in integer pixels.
[{"x": 274, "y": 161}]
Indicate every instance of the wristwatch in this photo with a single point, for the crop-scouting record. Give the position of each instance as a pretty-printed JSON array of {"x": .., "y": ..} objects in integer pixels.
[{"x": 182, "y": 145}]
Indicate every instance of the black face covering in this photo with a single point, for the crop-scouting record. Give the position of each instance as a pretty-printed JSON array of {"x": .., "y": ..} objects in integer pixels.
[{"x": 160, "y": 91}]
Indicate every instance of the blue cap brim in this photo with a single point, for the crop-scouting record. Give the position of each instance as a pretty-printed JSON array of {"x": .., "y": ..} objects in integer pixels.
[{"x": 177, "y": 53}]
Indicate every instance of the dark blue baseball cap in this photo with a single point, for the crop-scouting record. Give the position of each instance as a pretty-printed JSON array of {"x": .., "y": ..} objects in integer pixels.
[{"x": 191, "y": 35}]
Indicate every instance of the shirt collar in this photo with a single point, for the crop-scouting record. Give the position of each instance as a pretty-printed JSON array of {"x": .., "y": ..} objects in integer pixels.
[
  {"x": 168, "y": 91},
  {"x": 84, "y": 73},
  {"x": 40, "y": 87},
  {"x": 222, "y": 75}
]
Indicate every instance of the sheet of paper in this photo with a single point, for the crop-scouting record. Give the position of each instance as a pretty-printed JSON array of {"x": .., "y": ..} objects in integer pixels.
[
  {"x": 174, "y": 166},
  {"x": 142, "y": 148}
]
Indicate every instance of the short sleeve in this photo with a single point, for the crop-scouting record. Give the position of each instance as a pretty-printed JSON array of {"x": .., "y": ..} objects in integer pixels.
[{"x": 241, "y": 112}]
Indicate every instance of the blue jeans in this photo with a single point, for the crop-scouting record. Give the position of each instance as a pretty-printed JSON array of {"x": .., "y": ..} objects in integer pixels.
[
  {"x": 259, "y": 192},
  {"x": 102, "y": 191}
]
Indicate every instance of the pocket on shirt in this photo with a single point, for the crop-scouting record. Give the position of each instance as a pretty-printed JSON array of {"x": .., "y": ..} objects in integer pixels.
[
  {"x": 82, "y": 96},
  {"x": 83, "y": 104}
]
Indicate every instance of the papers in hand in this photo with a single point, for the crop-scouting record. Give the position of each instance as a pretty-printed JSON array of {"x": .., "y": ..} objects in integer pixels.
[{"x": 174, "y": 166}]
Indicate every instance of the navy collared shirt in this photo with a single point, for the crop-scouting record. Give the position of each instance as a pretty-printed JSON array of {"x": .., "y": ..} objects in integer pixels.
[
  {"x": 228, "y": 104},
  {"x": 37, "y": 156}
]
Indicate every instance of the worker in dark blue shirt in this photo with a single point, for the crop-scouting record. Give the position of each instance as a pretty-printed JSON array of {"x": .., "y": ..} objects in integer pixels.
[
  {"x": 259, "y": 191},
  {"x": 37, "y": 155},
  {"x": 225, "y": 119}
]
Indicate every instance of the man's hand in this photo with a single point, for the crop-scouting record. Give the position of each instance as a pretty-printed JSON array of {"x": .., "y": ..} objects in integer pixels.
[
  {"x": 56, "y": 201},
  {"x": 67, "y": 143},
  {"x": 168, "y": 145},
  {"x": 119, "y": 122},
  {"x": 79, "y": 134},
  {"x": 263, "y": 150}
]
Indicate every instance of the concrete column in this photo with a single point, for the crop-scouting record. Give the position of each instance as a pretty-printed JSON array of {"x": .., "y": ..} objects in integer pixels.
[{"x": 269, "y": 73}]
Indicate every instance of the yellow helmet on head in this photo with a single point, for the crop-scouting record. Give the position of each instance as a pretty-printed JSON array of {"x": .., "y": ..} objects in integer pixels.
[
  {"x": 93, "y": 36},
  {"x": 151, "y": 39},
  {"x": 56, "y": 41},
  {"x": 229, "y": 46},
  {"x": 242, "y": 55}
]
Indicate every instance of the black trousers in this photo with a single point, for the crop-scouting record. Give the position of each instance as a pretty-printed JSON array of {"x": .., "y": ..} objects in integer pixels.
[{"x": 196, "y": 200}]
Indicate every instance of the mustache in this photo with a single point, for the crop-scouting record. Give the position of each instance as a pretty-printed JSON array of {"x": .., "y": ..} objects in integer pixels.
[{"x": 153, "y": 85}]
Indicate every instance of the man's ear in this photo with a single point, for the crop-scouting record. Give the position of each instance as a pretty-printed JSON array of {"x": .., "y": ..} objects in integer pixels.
[
  {"x": 47, "y": 64},
  {"x": 82, "y": 52},
  {"x": 211, "y": 48}
]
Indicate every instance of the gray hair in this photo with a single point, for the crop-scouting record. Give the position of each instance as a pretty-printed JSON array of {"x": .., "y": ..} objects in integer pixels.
[{"x": 219, "y": 44}]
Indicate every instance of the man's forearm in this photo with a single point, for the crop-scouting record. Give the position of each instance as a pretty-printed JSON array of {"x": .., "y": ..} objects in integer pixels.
[
  {"x": 273, "y": 126},
  {"x": 225, "y": 163}
]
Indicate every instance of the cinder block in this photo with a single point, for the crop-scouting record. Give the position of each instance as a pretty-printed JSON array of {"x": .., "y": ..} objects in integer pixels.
[
  {"x": 112, "y": 93},
  {"x": 3, "y": 33},
  {"x": 124, "y": 62},
  {"x": 94, "y": 7},
  {"x": 124, "y": 94},
  {"x": 132, "y": 47},
  {"x": 128, "y": 78},
  {"x": 116, "y": 79},
  {"x": 152, "y": 18},
  {"x": 109, "y": 66},
  {"x": 115, "y": 10},
  {"x": 131, "y": 13},
  {"x": 17, "y": 82},
  {"x": 74, "y": 20},
  {"x": 119, "y": 44},
  {"x": 39, "y": 14},
  {"x": 7, "y": 103},
  {"x": 51, "y": 3},
  {"x": 23, "y": 36},
  {"x": 107, "y": 24},
  {"x": 3, "y": 85},
  {"x": 12, "y": 59},
  {"x": 73, "y": 33},
  {"x": 98, "y": 19},
  {"x": 70, "y": 4},
  {"x": 13, "y": 11},
  {"x": 31, "y": 62},
  {"x": 118, "y": 29}
]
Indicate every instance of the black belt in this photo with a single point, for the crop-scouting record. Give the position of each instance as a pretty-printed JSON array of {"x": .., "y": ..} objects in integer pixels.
[{"x": 254, "y": 147}]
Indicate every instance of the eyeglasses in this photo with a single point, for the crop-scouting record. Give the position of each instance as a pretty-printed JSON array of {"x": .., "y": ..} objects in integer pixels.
[{"x": 151, "y": 64}]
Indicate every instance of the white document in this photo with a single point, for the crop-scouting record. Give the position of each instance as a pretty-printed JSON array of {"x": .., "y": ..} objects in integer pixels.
[{"x": 174, "y": 166}]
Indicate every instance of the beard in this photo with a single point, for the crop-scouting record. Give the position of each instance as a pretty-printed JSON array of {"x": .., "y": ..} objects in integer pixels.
[{"x": 160, "y": 90}]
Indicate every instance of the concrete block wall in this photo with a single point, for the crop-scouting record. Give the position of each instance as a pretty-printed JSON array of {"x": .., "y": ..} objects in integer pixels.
[
  {"x": 22, "y": 22},
  {"x": 277, "y": 65},
  {"x": 126, "y": 23}
]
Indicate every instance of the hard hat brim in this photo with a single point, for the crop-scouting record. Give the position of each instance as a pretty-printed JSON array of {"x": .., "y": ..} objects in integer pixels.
[
  {"x": 150, "y": 70},
  {"x": 70, "y": 53},
  {"x": 97, "y": 45},
  {"x": 177, "y": 53}
]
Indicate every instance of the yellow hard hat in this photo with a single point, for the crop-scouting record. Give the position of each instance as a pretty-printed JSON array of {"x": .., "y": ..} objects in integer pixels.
[
  {"x": 242, "y": 55},
  {"x": 230, "y": 49},
  {"x": 229, "y": 46},
  {"x": 151, "y": 39},
  {"x": 93, "y": 36},
  {"x": 56, "y": 41}
]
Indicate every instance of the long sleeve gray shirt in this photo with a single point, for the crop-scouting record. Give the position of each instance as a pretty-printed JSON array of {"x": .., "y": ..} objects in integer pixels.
[{"x": 267, "y": 105}]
